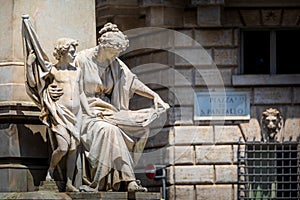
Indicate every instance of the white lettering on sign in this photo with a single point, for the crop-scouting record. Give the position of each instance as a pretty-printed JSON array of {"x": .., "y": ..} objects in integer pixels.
[{"x": 221, "y": 106}]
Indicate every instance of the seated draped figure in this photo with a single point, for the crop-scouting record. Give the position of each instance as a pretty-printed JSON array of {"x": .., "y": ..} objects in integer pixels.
[{"x": 111, "y": 135}]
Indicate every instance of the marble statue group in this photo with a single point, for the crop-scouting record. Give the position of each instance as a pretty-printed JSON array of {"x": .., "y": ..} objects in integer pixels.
[{"x": 84, "y": 102}]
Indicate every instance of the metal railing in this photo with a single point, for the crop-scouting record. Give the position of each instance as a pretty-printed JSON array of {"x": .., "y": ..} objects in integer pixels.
[{"x": 268, "y": 170}]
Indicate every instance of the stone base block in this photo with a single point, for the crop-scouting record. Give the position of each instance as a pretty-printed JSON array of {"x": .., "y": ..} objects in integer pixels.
[
  {"x": 16, "y": 178},
  {"x": 115, "y": 195},
  {"x": 98, "y": 195},
  {"x": 143, "y": 195},
  {"x": 34, "y": 195},
  {"x": 81, "y": 195},
  {"x": 48, "y": 185}
]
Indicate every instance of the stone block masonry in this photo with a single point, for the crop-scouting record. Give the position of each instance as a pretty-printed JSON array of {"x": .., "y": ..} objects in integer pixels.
[{"x": 201, "y": 156}]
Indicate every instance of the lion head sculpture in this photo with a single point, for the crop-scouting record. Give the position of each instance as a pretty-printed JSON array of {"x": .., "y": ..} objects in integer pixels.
[{"x": 272, "y": 123}]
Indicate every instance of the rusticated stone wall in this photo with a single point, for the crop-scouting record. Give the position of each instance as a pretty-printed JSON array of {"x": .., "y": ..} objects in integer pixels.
[{"x": 201, "y": 156}]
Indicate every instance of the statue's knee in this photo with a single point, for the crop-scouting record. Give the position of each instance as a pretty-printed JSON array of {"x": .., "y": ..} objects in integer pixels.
[
  {"x": 62, "y": 151},
  {"x": 112, "y": 129}
]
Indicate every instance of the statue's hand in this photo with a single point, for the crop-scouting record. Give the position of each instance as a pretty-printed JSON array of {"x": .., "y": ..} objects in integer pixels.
[
  {"x": 31, "y": 58},
  {"x": 55, "y": 92},
  {"x": 158, "y": 101}
]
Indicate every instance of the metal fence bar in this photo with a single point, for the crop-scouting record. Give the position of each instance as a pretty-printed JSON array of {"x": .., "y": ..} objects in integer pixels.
[{"x": 268, "y": 170}]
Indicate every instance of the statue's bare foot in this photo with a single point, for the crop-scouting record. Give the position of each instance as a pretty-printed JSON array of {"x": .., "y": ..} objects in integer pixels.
[
  {"x": 71, "y": 188},
  {"x": 134, "y": 186},
  {"x": 85, "y": 188},
  {"x": 50, "y": 174}
]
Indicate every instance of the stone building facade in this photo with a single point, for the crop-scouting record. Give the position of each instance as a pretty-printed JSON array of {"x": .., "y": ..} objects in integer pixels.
[
  {"x": 201, "y": 156},
  {"x": 197, "y": 46}
]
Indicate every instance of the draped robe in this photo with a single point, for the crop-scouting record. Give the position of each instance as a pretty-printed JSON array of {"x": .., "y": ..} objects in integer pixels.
[
  {"x": 53, "y": 114},
  {"x": 114, "y": 142}
]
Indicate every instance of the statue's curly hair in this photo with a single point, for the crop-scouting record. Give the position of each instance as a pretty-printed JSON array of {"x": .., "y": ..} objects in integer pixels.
[
  {"x": 62, "y": 46},
  {"x": 112, "y": 37}
]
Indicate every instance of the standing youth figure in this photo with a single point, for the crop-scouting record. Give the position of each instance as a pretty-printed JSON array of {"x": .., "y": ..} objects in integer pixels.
[{"x": 57, "y": 91}]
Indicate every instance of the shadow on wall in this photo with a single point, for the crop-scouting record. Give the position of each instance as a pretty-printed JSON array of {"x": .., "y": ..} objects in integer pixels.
[{"x": 34, "y": 152}]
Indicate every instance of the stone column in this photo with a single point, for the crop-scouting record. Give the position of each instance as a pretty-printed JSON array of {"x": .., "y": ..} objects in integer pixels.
[{"x": 24, "y": 150}]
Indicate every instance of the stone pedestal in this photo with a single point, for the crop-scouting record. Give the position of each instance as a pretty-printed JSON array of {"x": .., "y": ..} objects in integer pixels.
[
  {"x": 116, "y": 195},
  {"x": 34, "y": 195},
  {"x": 16, "y": 178},
  {"x": 85, "y": 195},
  {"x": 48, "y": 185},
  {"x": 24, "y": 149}
]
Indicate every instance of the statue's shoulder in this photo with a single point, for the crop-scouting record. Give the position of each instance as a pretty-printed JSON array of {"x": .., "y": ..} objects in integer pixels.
[
  {"x": 86, "y": 53},
  {"x": 83, "y": 56}
]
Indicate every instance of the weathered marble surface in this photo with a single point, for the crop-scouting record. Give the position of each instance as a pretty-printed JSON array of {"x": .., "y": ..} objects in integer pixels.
[
  {"x": 86, "y": 195},
  {"x": 64, "y": 22}
]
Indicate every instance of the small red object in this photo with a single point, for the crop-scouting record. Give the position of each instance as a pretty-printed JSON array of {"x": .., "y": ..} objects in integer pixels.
[{"x": 150, "y": 171}]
